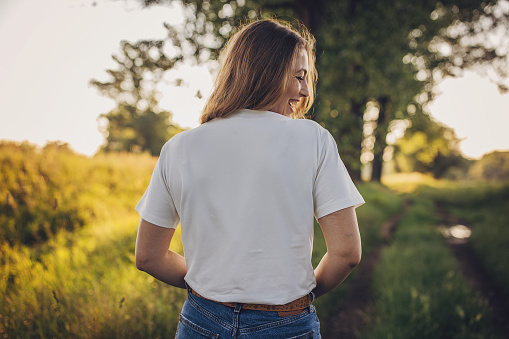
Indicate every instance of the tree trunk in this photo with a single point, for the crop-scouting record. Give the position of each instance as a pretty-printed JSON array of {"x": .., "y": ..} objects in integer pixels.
[
  {"x": 349, "y": 138},
  {"x": 380, "y": 134},
  {"x": 377, "y": 164}
]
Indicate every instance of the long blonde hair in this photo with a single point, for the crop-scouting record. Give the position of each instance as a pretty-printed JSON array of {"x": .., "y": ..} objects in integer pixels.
[{"x": 256, "y": 65}]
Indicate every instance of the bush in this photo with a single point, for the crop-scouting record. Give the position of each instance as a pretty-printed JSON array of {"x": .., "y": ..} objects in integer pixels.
[{"x": 52, "y": 189}]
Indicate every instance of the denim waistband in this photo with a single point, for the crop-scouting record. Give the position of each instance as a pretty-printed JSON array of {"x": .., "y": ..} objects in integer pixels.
[{"x": 296, "y": 305}]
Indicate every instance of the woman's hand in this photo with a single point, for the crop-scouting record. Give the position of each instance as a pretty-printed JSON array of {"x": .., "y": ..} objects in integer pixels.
[
  {"x": 154, "y": 257},
  {"x": 343, "y": 240}
]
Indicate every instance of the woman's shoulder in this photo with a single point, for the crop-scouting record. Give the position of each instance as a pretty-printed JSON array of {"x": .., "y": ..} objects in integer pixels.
[
  {"x": 310, "y": 126},
  {"x": 188, "y": 136},
  {"x": 175, "y": 140}
]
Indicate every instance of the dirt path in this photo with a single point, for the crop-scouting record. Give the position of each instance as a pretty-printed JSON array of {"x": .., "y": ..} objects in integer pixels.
[
  {"x": 354, "y": 312},
  {"x": 475, "y": 272}
]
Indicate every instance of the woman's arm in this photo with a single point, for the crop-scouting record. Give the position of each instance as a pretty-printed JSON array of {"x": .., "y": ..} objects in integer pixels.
[
  {"x": 343, "y": 241},
  {"x": 154, "y": 257}
]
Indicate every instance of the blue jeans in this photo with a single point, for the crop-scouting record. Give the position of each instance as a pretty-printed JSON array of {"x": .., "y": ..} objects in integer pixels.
[{"x": 202, "y": 318}]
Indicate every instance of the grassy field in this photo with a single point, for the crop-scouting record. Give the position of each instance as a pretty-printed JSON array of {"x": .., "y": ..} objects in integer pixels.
[
  {"x": 483, "y": 207},
  {"x": 45, "y": 191},
  {"x": 419, "y": 289},
  {"x": 67, "y": 268},
  {"x": 68, "y": 229}
]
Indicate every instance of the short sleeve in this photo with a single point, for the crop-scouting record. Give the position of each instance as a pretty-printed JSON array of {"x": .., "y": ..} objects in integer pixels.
[
  {"x": 157, "y": 205},
  {"x": 333, "y": 189}
]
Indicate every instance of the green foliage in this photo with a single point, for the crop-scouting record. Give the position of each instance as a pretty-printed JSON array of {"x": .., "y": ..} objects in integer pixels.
[
  {"x": 458, "y": 36},
  {"x": 52, "y": 189},
  {"x": 419, "y": 289},
  {"x": 388, "y": 52},
  {"x": 84, "y": 285},
  {"x": 131, "y": 130},
  {"x": 137, "y": 123},
  {"x": 492, "y": 166},
  {"x": 39, "y": 192},
  {"x": 81, "y": 282},
  {"x": 361, "y": 63},
  {"x": 430, "y": 147}
]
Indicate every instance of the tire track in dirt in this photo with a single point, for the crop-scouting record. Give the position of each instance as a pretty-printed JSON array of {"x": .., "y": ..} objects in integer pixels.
[
  {"x": 476, "y": 274},
  {"x": 355, "y": 310}
]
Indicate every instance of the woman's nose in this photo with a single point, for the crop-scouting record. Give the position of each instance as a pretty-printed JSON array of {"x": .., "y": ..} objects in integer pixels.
[{"x": 304, "y": 90}]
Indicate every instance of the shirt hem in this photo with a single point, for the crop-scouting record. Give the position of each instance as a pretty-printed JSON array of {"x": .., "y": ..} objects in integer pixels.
[
  {"x": 337, "y": 206},
  {"x": 157, "y": 221}
]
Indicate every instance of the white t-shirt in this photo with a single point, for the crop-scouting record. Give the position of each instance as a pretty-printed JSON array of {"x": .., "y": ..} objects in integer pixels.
[{"x": 246, "y": 189}]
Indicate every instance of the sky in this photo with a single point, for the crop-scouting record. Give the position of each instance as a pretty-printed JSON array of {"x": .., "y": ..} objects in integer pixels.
[{"x": 51, "y": 50}]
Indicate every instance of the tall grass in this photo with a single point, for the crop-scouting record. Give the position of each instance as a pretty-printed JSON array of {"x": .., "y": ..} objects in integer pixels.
[
  {"x": 68, "y": 231},
  {"x": 84, "y": 285},
  {"x": 52, "y": 189},
  {"x": 419, "y": 289}
]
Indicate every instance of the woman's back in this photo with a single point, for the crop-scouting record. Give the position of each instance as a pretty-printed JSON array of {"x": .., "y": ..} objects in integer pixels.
[{"x": 245, "y": 189}]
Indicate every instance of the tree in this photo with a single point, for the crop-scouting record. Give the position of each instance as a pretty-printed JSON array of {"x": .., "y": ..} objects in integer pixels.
[
  {"x": 363, "y": 43},
  {"x": 346, "y": 48},
  {"x": 475, "y": 37},
  {"x": 383, "y": 52},
  {"x": 137, "y": 123},
  {"x": 492, "y": 166},
  {"x": 387, "y": 52},
  {"x": 429, "y": 147}
]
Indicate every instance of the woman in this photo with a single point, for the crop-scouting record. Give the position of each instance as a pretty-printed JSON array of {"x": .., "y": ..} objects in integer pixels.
[{"x": 245, "y": 186}]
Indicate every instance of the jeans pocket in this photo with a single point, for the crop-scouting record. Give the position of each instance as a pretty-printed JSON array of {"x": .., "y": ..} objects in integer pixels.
[{"x": 187, "y": 329}]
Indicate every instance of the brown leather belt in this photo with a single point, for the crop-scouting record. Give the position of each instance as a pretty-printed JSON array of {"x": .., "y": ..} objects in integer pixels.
[{"x": 291, "y": 308}]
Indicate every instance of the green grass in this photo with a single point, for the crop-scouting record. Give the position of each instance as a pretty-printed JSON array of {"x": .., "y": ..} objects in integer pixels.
[
  {"x": 79, "y": 279},
  {"x": 419, "y": 289},
  {"x": 381, "y": 204},
  {"x": 85, "y": 285},
  {"x": 52, "y": 189},
  {"x": 67, "y": 268},
  {"x": 68, "y": 229},
  {"x": 483, "y": 207}
]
